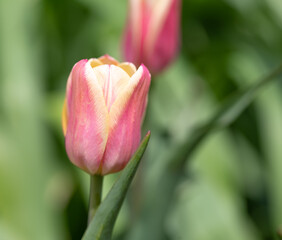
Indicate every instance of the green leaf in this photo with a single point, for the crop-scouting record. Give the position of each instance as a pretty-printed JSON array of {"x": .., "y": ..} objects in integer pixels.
[
  {"x": 102, "y": 225},
  {"x": 223, "y": 118},
  {"x": 173, "y": 164}
]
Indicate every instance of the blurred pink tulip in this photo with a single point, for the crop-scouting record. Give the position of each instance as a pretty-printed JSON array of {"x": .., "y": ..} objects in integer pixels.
[
  {"x": 103, "y": 112},
  {"x": 152, "y": 33}
]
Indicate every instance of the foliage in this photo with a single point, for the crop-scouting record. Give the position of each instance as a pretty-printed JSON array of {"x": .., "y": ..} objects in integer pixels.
[{"x": 231, "y": 186}]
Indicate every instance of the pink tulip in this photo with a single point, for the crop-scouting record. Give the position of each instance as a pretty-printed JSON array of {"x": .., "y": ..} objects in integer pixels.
[
  {"x": 103, "y": 112},
  {"x": 152, "y": 33}
]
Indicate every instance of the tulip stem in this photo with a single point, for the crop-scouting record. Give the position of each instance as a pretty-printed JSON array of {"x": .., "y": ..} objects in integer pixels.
[{"x": 95, "y": 195}]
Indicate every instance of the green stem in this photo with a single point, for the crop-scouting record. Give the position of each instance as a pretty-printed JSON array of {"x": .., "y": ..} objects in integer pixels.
[{"x": 95, "y": 195}]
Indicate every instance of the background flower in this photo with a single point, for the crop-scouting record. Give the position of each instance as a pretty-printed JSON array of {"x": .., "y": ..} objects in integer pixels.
[{"x": 152, "y": 33}]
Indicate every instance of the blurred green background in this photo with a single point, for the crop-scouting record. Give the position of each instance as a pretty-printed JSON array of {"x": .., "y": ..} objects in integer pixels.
[{"x": 232, "y": 186}]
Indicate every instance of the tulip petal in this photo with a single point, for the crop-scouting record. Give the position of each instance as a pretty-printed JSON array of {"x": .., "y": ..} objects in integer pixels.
[
  {"x": 65, "y": 118},
  {"x": 112, "y": 80},
  {"x": 66, "y": 105},
  {"x": 163, "y": 43},
  {"x": 107, "y": 59},
  {"x": 128, "y": 67},
  {"x": 125, "y": 122},
  {"x": 135, "y": 32},
  {"x": 94, "y": 62},
  {"x": 88, "y": 119},
  {"x": 158, "y": 12}
]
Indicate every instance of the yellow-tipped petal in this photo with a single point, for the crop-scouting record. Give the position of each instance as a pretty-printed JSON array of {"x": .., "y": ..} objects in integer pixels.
[
  {"x": 128, "y": 67},
  {"x": 65, "y": 118},
  {"x": 106, "y": 59},
  {"x": 94, "y": 62}
]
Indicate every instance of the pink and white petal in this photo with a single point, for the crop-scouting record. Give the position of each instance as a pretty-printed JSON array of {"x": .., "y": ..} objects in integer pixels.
[
  {"x": 158, "y": 11},
  {"x": 134, "y": 32},
  {"x": 112, "y": 80},
  {"x": 163, "y": 44},
  {"x": 88, "y": 121},
  {"x": 125, "y": 122}
]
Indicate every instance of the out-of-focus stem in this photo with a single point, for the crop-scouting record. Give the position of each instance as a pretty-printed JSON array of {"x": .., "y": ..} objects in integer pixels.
[{"x": 95, "y": 195}]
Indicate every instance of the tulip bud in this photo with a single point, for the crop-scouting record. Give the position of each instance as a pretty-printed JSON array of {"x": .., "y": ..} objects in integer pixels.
[
  {"x": 152, "y": 33},
  {"x": 103, "y": 112}
]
